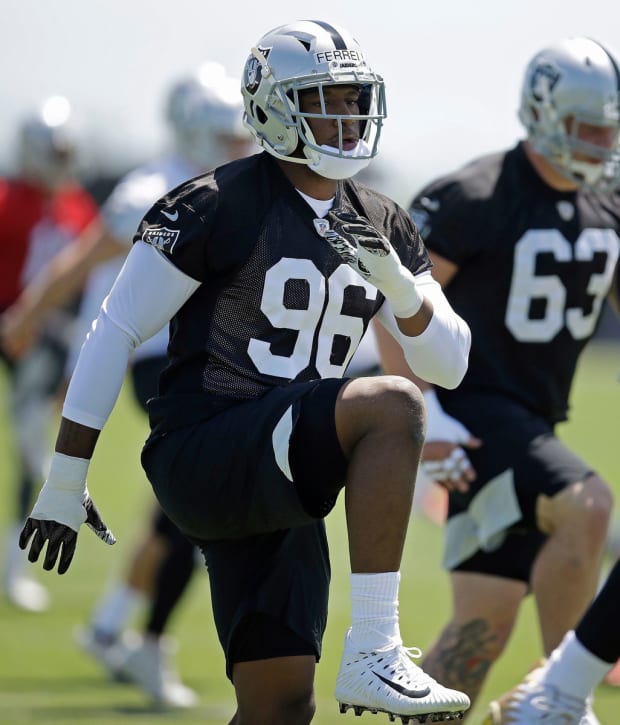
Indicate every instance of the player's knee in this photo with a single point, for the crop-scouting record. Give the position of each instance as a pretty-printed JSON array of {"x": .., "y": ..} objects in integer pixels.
[
  {"x": 583, "y": 507},
  {"x": 398, "y": 403},
  {"x": 597, "y": 506},
  {"x": 387, "y": 405}
]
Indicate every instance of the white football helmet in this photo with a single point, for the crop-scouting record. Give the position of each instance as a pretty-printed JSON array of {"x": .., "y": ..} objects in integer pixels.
[
  {"x": 204, "y": 111},
  {"x": 47, "y": 143},
  {"x": 310, "y": 54},
  {"x": 574, "y": 82}
]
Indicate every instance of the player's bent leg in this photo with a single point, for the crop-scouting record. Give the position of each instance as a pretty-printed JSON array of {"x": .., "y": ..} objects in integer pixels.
[
  {"x": 276, "y": 691},
  {"x": 485, "y": 609},
  {"x": 566, "y": 572},
  {"x": 380, "y": 425}
]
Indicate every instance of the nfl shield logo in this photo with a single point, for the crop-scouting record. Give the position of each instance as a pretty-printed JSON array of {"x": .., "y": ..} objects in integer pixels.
[{"x": 321, "y": 226}]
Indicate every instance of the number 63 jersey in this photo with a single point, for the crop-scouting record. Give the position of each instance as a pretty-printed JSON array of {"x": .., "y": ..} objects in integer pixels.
[
  {"x": 534, "y": 266},
  {"x": 276, "y": 303}
]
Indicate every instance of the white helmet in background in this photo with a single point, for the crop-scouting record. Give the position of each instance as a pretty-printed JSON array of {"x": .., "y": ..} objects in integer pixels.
[
  {"x": 310, "y": 54},
  {"x": 47, "y": 143},
  {"x": 205, "y": 112},
  {"x": 571, "y": 83}
]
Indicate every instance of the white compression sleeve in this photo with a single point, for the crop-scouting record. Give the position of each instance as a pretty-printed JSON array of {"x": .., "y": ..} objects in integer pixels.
[
  {"x": 134, "y": 310},
  {"x": 440, "y": 354}
]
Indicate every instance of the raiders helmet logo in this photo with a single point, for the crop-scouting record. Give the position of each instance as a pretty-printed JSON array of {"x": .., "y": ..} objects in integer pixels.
[
  {"x": 543, "y": 80},
  {"x": 252, "y": 73}
]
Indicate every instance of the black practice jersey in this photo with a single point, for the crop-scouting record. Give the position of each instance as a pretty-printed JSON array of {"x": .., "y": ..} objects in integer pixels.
[
  {"x": 276, "y": 304},
  {"x": 534, "y": 267}
]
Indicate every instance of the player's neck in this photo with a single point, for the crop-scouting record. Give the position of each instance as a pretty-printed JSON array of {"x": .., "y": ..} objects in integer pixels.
[
  {"x": 302, "y": 178},
  {"x": 547, "y": 173}
]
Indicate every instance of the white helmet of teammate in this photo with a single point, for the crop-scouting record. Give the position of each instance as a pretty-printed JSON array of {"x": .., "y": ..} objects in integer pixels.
[
  {"x": 205, "y": 111},
  {"x": 47, "y": 143},
  {"x": 310, "y": 54},
  {"x": 574, "y": 82}
]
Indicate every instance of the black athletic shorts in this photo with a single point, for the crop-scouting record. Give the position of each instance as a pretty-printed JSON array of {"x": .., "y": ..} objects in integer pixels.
[
  {"x": 492, "y": 528},
  {"x": 250, "y": 486},
  {"x": 145, "y": 372}
]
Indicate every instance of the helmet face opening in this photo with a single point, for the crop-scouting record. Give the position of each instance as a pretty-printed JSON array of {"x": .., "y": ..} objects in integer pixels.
[
  {"x": 302, "y": 57},
  {"x": 369, "y": 119},
  {"x": 570, "y": 106}
]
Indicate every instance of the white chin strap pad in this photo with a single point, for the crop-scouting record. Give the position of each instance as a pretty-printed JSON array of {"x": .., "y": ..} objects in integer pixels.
[{"x": 341, "y": 167}]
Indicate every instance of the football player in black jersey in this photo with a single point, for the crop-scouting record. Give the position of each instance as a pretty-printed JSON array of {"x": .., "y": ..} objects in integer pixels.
[
  {"x": 525, "y": 243},
  {"x": 270, "y": 269}
]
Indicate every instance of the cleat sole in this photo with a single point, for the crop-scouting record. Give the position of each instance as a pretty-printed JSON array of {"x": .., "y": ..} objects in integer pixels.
[{"x": 434, "y": 717}]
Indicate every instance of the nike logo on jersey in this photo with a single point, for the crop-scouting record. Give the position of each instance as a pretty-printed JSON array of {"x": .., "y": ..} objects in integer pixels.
[
  {"x": 173, "y": 217},
  {"x": 414, "y": 694}
]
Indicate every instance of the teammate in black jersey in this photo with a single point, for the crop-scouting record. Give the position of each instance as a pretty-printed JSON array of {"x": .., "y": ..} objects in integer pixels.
[
  {"x": 525, "y": 244},
  {"x": 270, "y": 269}
]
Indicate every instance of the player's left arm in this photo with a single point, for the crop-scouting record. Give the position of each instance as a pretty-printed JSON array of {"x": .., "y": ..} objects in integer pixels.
[
  {"x": 444, "y": 455},
  {"x": 435, "y": 340}
]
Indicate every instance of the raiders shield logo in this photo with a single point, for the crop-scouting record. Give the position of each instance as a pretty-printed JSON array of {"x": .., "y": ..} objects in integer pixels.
[
  {"x": 161, "y": 238},
  {"x": 543, "y": 81},
  {"x": 252, "y": 73}
]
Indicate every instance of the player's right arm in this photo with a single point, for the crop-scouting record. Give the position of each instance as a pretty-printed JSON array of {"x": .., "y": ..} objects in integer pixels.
[{"x": 134, "y": 310}]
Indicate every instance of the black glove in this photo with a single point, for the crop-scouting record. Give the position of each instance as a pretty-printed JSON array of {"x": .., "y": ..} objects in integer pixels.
[
  {"x": 61, "y": 539},
  {"x": 372, "y": 256}
]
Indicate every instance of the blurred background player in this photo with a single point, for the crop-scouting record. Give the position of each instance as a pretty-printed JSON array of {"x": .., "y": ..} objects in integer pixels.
[
  {"x": 42, "y": 210},
  {"x": 525, "y": 243},
  {"x": 204, "y": 113}
]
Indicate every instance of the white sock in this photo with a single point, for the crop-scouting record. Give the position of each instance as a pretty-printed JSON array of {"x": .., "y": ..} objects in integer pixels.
[
  {"x": 573, "y": 669},
  {"x": 115, "y": 609},
  {"x": 374, "y": 612}
]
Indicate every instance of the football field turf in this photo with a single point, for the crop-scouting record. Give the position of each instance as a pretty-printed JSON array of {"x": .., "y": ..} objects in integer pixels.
[{"x": 46, "y": 679}]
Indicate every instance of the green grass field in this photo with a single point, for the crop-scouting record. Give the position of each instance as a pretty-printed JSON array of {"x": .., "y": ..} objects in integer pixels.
[{"x": 46, "y": 679}]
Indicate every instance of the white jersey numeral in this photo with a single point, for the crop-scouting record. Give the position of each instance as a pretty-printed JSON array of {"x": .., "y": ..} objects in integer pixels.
[
  {"x": 528, "y": 286},
  {"x": 322, "y": 320}
]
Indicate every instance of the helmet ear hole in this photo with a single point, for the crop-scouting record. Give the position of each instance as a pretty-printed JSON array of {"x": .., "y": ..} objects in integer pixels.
[{"x": 261, "y": 115}]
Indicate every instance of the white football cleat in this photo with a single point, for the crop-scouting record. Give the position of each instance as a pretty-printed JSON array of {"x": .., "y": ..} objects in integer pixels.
[
  {"x": 388, "y": 681},
  {"x": 26, "y": 593},
  {"x": 147, "y": 662},
  {"x": 103, "y": 648},
  {"x": 532, "y": 702}
]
